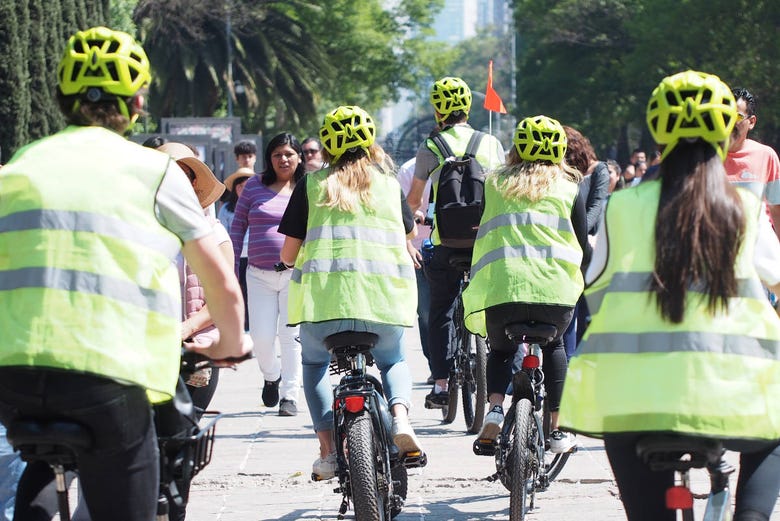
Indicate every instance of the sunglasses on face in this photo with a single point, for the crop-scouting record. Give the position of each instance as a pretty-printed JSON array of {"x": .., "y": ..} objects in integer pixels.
[{"x": 310, "y": 151}]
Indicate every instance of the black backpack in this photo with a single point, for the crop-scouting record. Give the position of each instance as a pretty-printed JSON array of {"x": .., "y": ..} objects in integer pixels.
[{"x": 459, "y": 194}]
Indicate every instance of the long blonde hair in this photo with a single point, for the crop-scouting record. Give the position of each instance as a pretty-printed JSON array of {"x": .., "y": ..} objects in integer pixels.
[
  {"x": 348, "y": 184},
  {"x": 531, "y": 180}
]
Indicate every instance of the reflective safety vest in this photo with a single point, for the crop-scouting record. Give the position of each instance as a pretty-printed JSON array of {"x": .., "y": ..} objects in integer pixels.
[
  {"x": 525, "y": 252},
  {"x": 712, "y": 375},
  {"x": 87, "y": 278},
  {"x": 354, "y": 265},
  {"x": 457, "y": 138}
]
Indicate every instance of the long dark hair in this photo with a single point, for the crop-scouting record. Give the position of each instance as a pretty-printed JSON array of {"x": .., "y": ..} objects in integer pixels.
[
  {"x": 698, "y": 232},
  {"x": 268, "y": 176}
]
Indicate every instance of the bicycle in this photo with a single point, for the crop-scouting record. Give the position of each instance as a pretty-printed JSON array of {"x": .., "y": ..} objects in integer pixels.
[
  {"x": 524, "y": 464},
  {"x": 680, "y": 453},
  {"x": 185, "y": 446},
  {"x": 371, "y": 472},
  {"x": 469, "y": 362}
]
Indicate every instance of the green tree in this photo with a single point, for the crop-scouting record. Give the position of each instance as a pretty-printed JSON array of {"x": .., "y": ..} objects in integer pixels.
[
  {"x": 294, "y": 58},
  {"x": 14, "y": 79}
]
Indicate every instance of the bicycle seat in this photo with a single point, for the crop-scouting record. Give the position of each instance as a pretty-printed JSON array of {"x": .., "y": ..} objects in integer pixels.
[
  {"x": 531, "y": 332},
  {"x": 666, "y": 452},
  {"x": 52, "y": 441},
  {"x": 460, "y": 261},
  {"x": 351, "y": 342}
]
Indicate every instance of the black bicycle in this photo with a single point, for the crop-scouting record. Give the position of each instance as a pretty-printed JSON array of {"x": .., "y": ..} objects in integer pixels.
[
  {"x": 467, "y": 375},
  {"x": 371, "y": 472},
  {"x": 679, "y": 453},
  {"x": 524, "y": 464},
  {"x": 185, "y": 443}
]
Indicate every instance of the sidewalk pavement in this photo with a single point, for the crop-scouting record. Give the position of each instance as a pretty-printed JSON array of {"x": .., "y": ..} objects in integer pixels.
[{"x": 262, "y": 465}]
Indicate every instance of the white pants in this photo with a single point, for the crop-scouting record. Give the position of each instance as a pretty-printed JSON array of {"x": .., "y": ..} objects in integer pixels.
[{"x": 267, "y": 293}]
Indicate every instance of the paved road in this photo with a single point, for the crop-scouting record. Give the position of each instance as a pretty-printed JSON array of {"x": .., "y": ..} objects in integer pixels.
[{"x": 262, "y": 463}]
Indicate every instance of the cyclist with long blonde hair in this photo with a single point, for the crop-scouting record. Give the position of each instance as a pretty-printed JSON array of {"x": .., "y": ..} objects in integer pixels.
[
  {"x": 530, "y": 248},
  {"x": 347, "y": 244}
]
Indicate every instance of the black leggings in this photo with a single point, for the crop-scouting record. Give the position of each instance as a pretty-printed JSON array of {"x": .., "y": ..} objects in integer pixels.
[
  {"x": 642, "y": 490},
  {"x": 120, "y": 472},
  {"x": 502, "y": 351}
]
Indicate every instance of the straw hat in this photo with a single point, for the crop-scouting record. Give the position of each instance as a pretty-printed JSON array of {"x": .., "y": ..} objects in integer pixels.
[
  {"x": 207, "y": 186},
  {"x": 238, "y": 174}
]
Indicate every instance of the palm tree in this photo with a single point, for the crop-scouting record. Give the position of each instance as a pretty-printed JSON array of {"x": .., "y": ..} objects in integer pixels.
[{"x": 273, "y": 57}]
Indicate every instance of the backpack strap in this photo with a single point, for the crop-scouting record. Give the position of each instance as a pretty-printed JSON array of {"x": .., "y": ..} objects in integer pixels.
[
  {"x": 473, "y": 146},
  {"x": 441, "y": 144}
]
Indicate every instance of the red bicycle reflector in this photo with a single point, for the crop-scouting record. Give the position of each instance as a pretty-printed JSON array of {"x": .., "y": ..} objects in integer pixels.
[
  {"x": 530, "y": 362},
  {"x": 354, "y": 403},
  {"x": 679, "y": 498}
]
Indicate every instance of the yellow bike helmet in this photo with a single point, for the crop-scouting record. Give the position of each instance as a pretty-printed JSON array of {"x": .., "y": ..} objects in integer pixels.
[
  {"x": 692, "y": 105},
  {"x": 540, "y": 138},
  {"x": 102, "y": 61},
  {"x": 450, "y": 94},
  {"x": 346, "y": 128}
]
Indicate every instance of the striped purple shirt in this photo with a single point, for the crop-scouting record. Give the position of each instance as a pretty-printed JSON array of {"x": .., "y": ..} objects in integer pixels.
[{"x": 260, "y": 209}]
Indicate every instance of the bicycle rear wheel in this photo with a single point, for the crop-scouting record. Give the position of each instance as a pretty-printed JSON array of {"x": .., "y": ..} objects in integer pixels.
[
  {"x": 521, "y": 468},
  {"x": 475, "y": 384},
  {"x": 369, "y": 502}
]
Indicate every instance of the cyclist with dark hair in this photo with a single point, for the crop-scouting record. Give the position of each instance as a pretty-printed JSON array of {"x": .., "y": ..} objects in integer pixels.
[
  {"x": 92, "y": 309},
  {"x": 683, "y": 339},
  {"x": 338, "y": 218},
  {"x": 531, "y": 245}
]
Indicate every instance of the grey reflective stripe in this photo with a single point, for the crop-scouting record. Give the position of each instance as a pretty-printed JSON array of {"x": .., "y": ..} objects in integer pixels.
[
  {"x": 686, "y": 341},
  {"x": 638, "y": 282},
  {"x": 754, "y": 186},
  {"x": 389, "y": 237},
  {"x": 85, "y": 282},
  {"x": 563, "y": 253},
  {"x": 525, "y": 219},
  {"x": 376, "y": 267},
  {"x": 89, "y": 222}
]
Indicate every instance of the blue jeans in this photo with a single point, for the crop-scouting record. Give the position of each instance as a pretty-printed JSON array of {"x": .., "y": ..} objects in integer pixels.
[
  {"x": 11, "y": 467},
  {"x": 388, "y": 354}
]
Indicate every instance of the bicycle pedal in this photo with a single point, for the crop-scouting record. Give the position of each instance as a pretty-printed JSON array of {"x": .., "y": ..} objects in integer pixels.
[
  {"x": 316, "y": 477},
  {"x": 413, "y": 460},
  {"x": 484, "y": 447}
]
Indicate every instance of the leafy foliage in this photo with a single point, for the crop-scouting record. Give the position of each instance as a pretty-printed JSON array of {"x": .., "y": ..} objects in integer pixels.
[{"x": 593, "y": 63}]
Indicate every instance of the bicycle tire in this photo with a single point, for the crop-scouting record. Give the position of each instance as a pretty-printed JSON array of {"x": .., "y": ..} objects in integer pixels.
[
  {"x": 449, "y": 413},
  {"x": 476, "y": 386},
  {"x": 400, "y": 487},
  {"x": 368, "y": 503},
  {"x": 553, "y": 463},
  {"x": 520, "y": 461}
]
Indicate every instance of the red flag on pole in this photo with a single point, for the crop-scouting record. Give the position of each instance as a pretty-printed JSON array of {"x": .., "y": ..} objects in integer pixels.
[{"x": 493, "y": 101}]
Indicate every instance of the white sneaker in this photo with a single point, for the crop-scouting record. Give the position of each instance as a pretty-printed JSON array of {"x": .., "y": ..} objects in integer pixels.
[
  {"x": 325, "y": 468},
  {"x": 492, "y": 425},
  {"x": 561, "y": 442},
  {"x": 404, "y": 437}
]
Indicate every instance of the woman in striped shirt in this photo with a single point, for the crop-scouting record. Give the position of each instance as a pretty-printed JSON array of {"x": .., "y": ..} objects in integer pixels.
[{"x": 259, "y": 209}]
